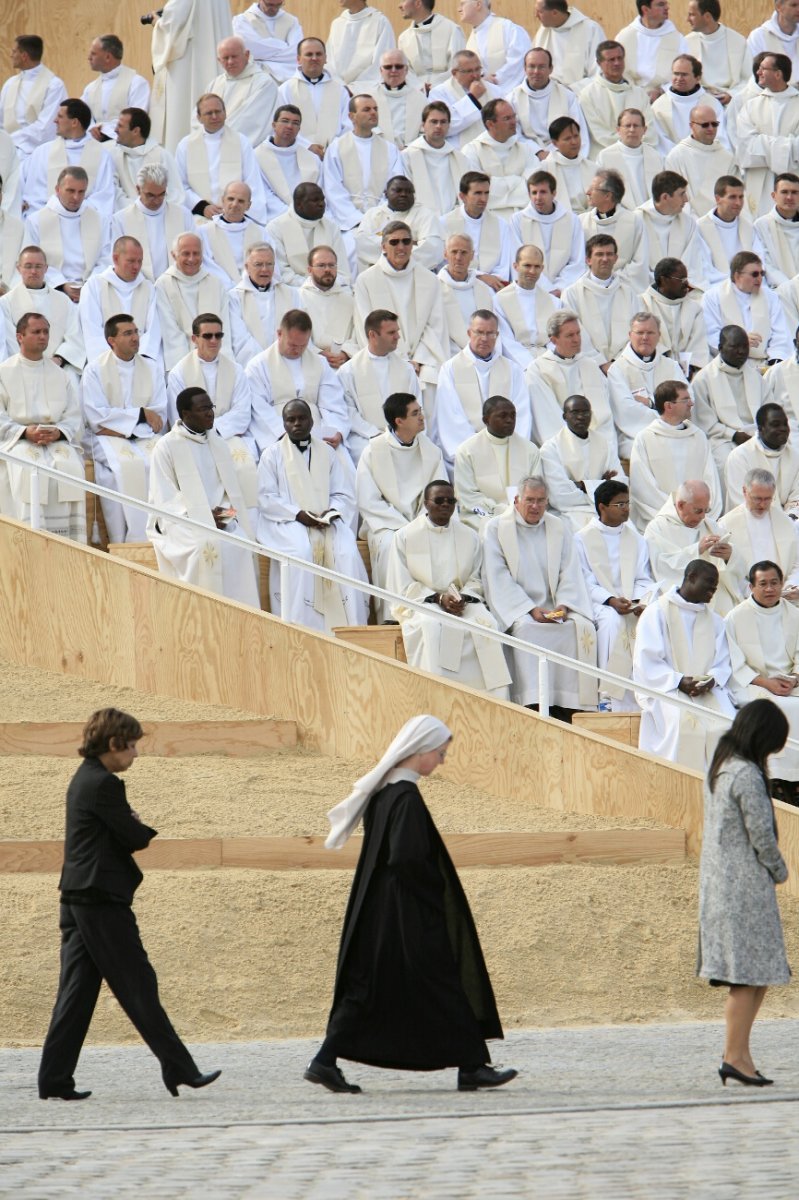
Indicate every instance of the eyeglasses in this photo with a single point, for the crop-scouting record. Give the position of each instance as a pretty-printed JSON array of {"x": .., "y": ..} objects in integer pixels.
[
  {"x": 754, "y": 274},
  {"x": 212, "y": 337},
  {"x": 406, "y": 241},
  {"x": 706, "y": 124},
  {"x": 394, "y": 67},
  {"x": 618, "y": 504}
]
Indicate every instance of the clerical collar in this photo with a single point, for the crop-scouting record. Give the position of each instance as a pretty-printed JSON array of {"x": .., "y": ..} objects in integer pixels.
[
  {"x": 605, "y": 216},
  {"x": 718, "y": 218},
  {"x": 399, "y": 441},
  {"x": 303, "y": 445},
  {"x": 692, "y": 92},
  {"x": 259, "y": 287},
  {"x": 482, "y": 357},
  {"x": 788, "y": 220},
  {"x": 398, "y": 88},
  {"x": 428, "y": 21},
  {"x": 308, "y": 79},
  {"x": 647, "y": 358}
]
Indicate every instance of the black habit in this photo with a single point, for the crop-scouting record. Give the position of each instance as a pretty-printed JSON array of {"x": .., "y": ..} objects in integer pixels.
[{"x": 412, "y": 990}]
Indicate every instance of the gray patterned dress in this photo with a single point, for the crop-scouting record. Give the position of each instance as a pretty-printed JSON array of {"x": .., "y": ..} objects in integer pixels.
[{"x": 740, "y": 934}]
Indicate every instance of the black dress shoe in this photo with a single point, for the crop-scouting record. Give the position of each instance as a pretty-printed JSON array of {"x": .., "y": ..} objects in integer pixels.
[
  {"x": 199, "y": 1081},
  {"x": 484, "y": 1077},
  {"x": 66, "y": 1094},
  {"x": 329, "y": 1077}
]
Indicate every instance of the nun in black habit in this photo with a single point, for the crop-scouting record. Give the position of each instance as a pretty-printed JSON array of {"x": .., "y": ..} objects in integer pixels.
[{"x": 412, "y": 991}]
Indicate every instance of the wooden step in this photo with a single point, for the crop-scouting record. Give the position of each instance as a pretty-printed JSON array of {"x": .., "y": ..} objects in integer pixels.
[
  {"x": 619, "y": 726},
  {"x": 143, "y": 555},
  {"x": 164, "y": 739},
  {"x": 383, "y": 639}
]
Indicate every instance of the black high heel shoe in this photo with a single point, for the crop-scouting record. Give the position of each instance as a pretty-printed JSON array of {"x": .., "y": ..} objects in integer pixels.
[
  {"x": 200, "y": 1081},
  {"x": 757, "y": 1080}
]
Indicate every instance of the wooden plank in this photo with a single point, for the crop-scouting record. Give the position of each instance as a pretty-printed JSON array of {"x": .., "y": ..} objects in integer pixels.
[
  {"x": 621, "y": 727},
  {"x": 163, "y": 739},
  {"x": 181, "y": 854},
  {"x": 16, "y": 857},
  {"x": 142, "y": 554},
  {"x": 380, "y": 639}
]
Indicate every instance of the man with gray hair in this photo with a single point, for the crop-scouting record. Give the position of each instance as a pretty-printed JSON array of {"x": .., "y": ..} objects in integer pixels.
[
  {"x": 117, "y": 87},
  {"x": 400, "y": 100},
  {"x": 153, "y": 219},
  {"x": 465, "y": 92},
  {"x": 535, "y": 589},
  {"x": 185, "y": 290},
  {"x": 462, "y": 289},
  {"x": 500, "y": 44},
  {"x": 258, "y": 304},
  {"x": 683, "y": 530},
  {"x": 564, "y": 370},
  {"x": 249, "y": 92},
  {"x": 758, "y": 529},
  {"x": 605, "y": 194},
  {"x": 634, "y": 377}
]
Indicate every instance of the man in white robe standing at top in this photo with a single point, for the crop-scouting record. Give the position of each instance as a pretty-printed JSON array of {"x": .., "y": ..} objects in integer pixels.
[
  {"x": 306, "y": 507},
  {"x": 681, "y": 647},
  {"x": 436, "y": 561},
  {"x": 357, "y": 38},
  {"x": 186, "y": 34},
  {"x": 500, "y": 44},
  {"x": 535, "y": 589},
  {"x": 192, "y": 475},
  {"x": 40, "y": 423},
  {"x": 271, "y": 35},
  {"x": 124, "y": 405}
]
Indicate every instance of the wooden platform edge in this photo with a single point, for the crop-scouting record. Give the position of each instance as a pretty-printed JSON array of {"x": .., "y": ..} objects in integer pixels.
[
  {"x": 609, "y": 847},
  {"x": 164, "y": 739}
]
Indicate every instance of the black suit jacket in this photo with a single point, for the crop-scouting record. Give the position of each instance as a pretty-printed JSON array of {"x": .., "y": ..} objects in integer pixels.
[{"x": 101, "y": 834}]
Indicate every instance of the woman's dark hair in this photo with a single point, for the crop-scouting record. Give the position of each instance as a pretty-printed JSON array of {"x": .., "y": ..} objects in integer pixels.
[
  {"x": 105, "y": 726},
  {"x": 759, "y": 729}
]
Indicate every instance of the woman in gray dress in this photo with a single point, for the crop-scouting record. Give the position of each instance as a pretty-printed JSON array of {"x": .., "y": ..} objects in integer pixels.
[{"x": 740, "y": 934}]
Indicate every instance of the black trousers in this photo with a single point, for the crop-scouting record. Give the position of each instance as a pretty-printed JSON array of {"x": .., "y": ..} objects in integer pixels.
[{"x": 102, "y": 942}]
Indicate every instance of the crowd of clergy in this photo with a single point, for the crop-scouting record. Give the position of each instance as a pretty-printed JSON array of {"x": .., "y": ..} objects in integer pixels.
[{"x": 518, "y": 307}]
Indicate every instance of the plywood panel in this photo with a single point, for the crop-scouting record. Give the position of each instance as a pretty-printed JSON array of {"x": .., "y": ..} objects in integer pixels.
[
  {"x": 165, "y": 739},
  {"x": 619, "y": 727},
  {"x": 68, "y": 27}
]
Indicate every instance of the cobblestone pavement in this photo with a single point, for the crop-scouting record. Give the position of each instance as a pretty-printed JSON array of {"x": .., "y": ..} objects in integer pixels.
[{"x": 626, "y": 1111}]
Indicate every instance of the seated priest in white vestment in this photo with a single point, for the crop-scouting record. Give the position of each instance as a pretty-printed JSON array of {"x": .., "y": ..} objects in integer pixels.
[
  {"x": 553, "y": 227},
  {"x": 206, "y": 367},
  {"x": 400, "y": 98},
  {"x": 321, "y": 99},
  {"x": 770, "y": 449},
  {"x": 763, "y": 634},
  {"x": 489, "y": 464},
  {"x": 603, "y": 300},
  {"x": 124, "y": 406},
  {"x": 434, "y": 164},
  {"x": 116, "y": 88},
  {"x": 777, "y": 231},
  {"x": 701, "y": 157},
  {"x": 782, "y": 381},
  {"x": 215, "y": 155},
  {"x": 429, "y": 42},
  {"x": 728, "y": 392},
  {"x": 34, "y": 294},
  {"x": 727, "y": 229},
  {"x": 670, "y": 449},
  {"x": 673, "y": 109},
  {"x": 292, "y": 369},
  {"x": 462, "y": 289},
  {"x": 539, "y": 100},
  {"x": 12, "y": 239},
  {"x": 284, "y": 160},
  {"x": 635, "y": 377},
  {"x": 744, "y": 300},
  {"x": 683, "y": 335},
  {"x": 490, "y": 233},
  {"x": 229, "y": 235},
  {"x": 467, "y": 380},
  {"x": 500, "y": 43},
  {"x": 248, "y": 92},
  {"x": 29, "y": 100},
  {"x": 370, "y": 375},
  {"x": 671, "y": 230},
  {"x": 573, "y": 172},
  {"x": 72, "y": 234},
  {"x": 328, "y": 301},
  {"x": 192, "y": 475},
  {"x": 575, "y": 461},
  {"x": 607, "y": 93},
  {"x": 393, "y": 471},
  {"x": 186, "y": 289},
  {"x": 615, "y": 563},
  {"x": 40, "y": 423},
  {"x": 357, "y": 38},
  {"x": 758, "y": 528},
  {"x": 271, "y": 35},
  {"x": 681, "y": 647},
  {"x": 436, "y": 560},
  {"x": 534, "y": 587},
  {"x": 506, "y": 158},
  {"x": 607, "y": 214},
  {"x": 121, "y": 287},
  {"x": 651, "y": 42},
  {"x": 134, "y": 149},
  {"x": 301, "y": 228},
  {"x": 634, "y": 156},
  {"x": 358, "y": 165},
  {"x": 412, "y": 292},
  {"x": 72, "y": 147},
  {"x": 570, "y": 37},
  {"x": 306, "y": 506},
  {"x": 400, "y": 204},
  {"x": 152, "y": 220},
  {"x": 725, "y": 57},
  {"x": 684, "y": 530},
  {"x": 765, "y": 125},
  {"x": 564, "y": 370},
  {"x": 464, "y": 93},
  {"x": 258, "y": 303},
  {"x": 524, "y": 307}
]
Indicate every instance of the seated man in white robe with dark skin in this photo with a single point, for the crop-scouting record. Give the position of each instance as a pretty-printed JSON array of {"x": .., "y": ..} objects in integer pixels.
[
  {"x": 488, "y": 464},
  {"x": 192, "y": 475},
  {"x": 615, "y": 562},
  {"x": 534, "y": 587},
  {"x": 681, "y": 647},
  {"x": 305, "y": 508},
  {"x": 575, "y": 461},
  {"x": 436, "y": 560}
]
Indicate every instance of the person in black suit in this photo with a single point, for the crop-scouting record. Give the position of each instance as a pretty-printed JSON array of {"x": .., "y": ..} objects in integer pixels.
[{"x": 99, "y": 935}]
